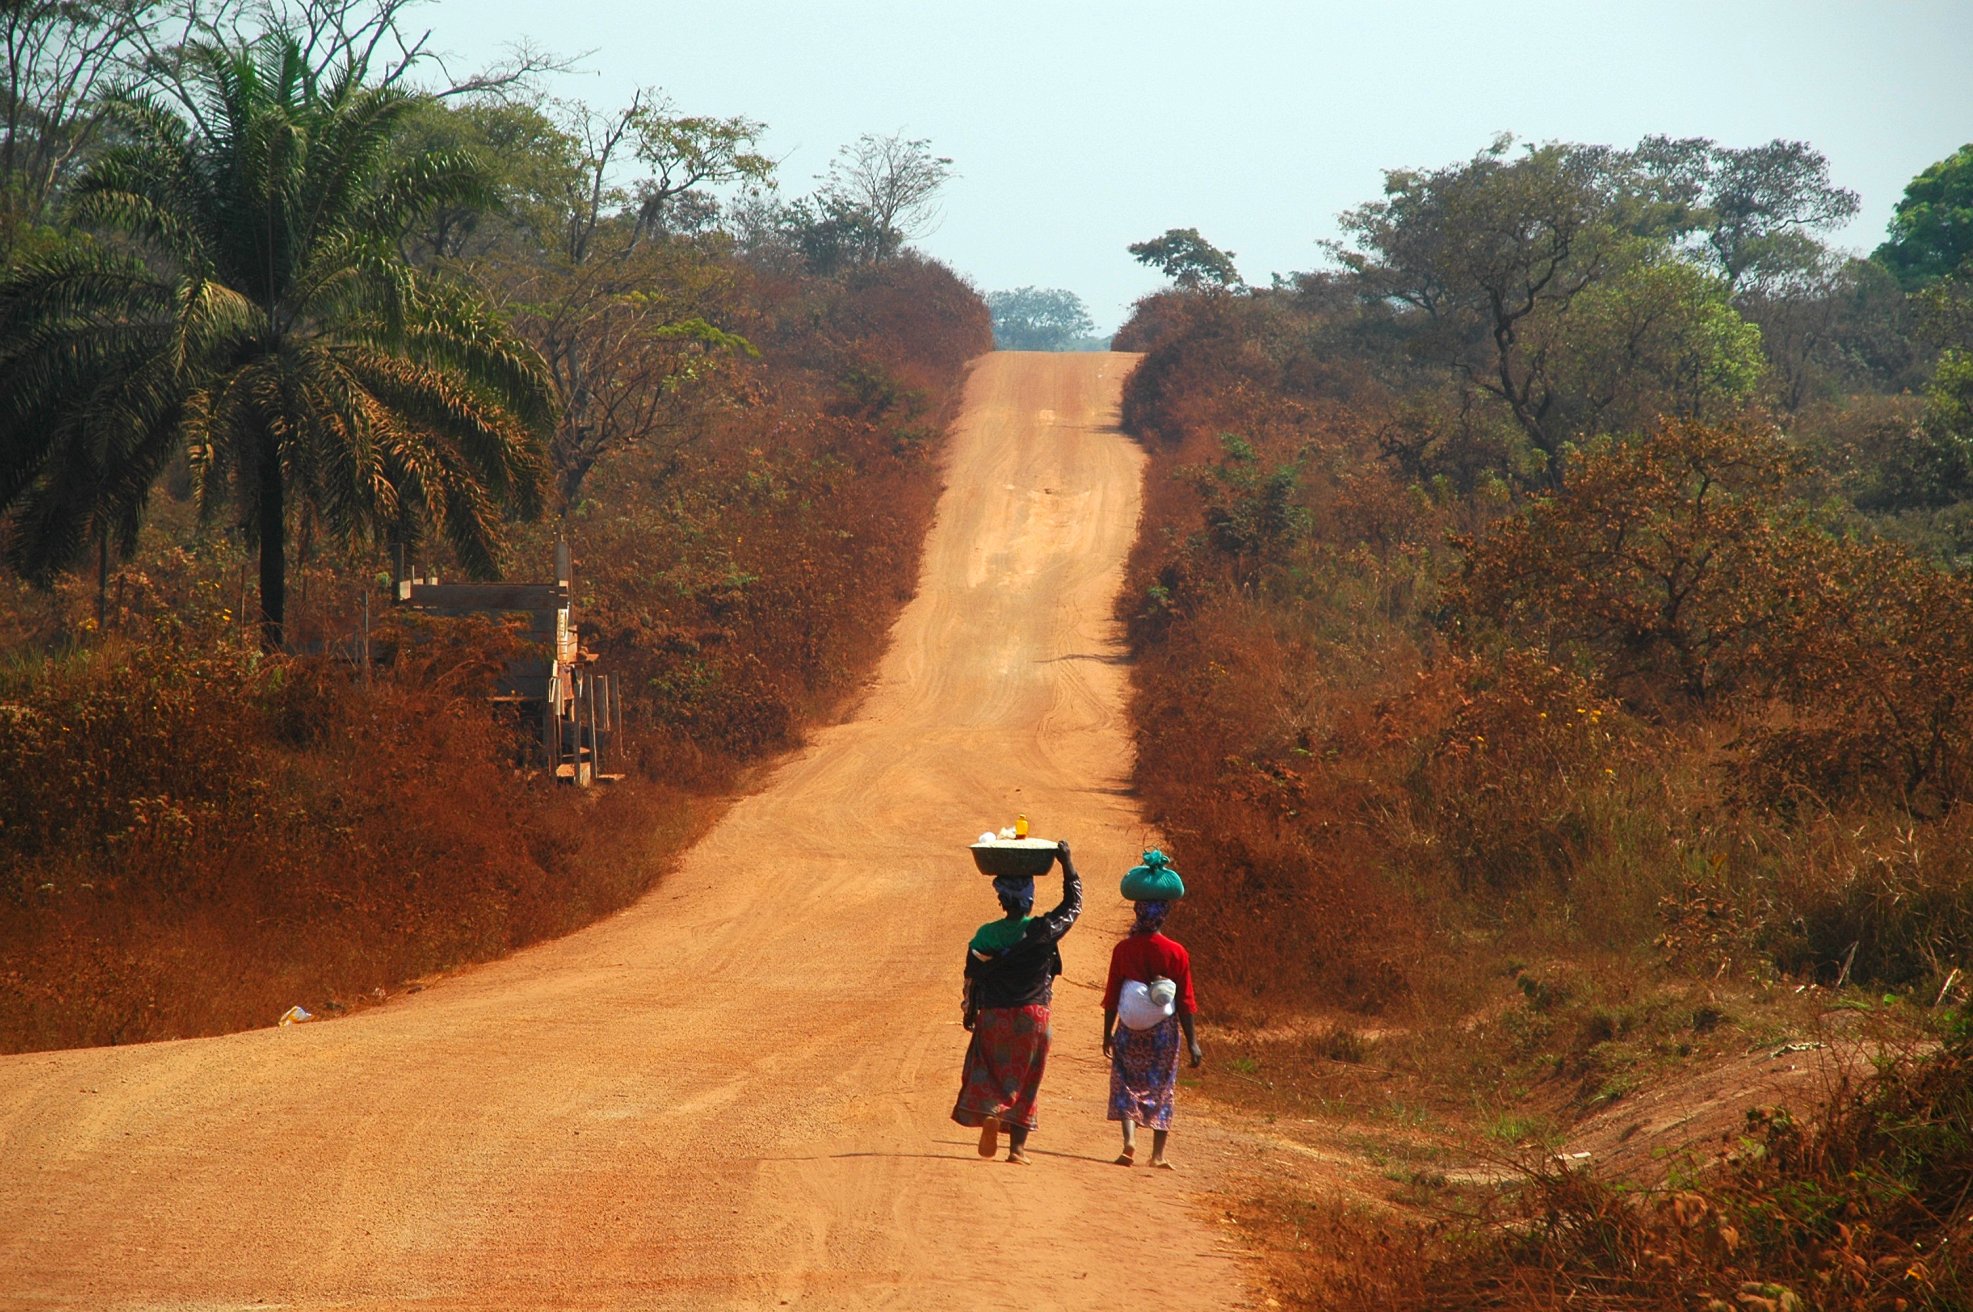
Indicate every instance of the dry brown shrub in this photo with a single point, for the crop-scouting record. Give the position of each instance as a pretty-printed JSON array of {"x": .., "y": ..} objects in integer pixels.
[{"x": 1525, "y": 741}]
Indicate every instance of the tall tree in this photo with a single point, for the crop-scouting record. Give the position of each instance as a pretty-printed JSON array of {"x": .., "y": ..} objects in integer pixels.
[
  {"x": 1932, "y": 227},
  {"x": 532, "y": 163},
  {"x": 893, "y": 180},
  {"x": 1550, "y": 282},
  {"x": 1038, "y": 319},
  {"x": 266, "y": 325},
  {"x": 1486, "y": 250},
  {"x": 685, "y": 153},
  {"x": 1188, "y": 259},
  {"x": 620, "y": 304},
  {"x": 62, "y": 58},
  {"x": 1754, "y": 210}
]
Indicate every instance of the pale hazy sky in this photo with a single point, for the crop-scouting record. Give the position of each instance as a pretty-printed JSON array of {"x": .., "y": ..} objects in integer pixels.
[{"x": 1079, "y": 126}]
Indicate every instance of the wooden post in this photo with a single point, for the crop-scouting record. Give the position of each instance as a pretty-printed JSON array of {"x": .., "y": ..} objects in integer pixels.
[
  {"x": 595, "y": 732},
  {"x": 589, "y": 731},
  {"x": 551, "y": 731},
  {"x": 602, "y": 719}
]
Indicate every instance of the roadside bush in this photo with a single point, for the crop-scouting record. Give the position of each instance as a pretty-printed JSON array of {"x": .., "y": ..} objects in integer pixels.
[
  {"x": 1860, "y": 1208},
  {"x": 1506, "y": 783}
]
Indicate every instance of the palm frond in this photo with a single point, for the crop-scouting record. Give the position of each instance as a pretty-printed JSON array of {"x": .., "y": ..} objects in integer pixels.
[
  {"x": 431, "y": 180},
  {"x": 451, "y": 433}
]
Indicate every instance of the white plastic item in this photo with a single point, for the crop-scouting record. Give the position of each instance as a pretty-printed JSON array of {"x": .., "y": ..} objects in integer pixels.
[
  {"x": 1138, "y": 1007},
  {"x": 295, "y": 1015}
]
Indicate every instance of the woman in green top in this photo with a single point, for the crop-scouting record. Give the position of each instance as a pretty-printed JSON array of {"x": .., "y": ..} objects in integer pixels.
[{"x": 1011, "y": 966}]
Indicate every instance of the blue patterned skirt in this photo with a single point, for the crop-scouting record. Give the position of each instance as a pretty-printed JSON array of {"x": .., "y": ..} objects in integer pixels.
[{"x": 1144, "y": 1074}]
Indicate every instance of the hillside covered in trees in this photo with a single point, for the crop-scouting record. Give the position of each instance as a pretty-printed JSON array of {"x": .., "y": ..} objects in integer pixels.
[
  {"x": 287, "y": 310},
  {"x": 1554, "y": 632}
]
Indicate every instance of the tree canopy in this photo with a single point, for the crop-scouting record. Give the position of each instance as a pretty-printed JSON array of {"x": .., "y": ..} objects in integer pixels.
[
  {"x": 1039, "y": 319},
  {"x": 892, "y": 180},
  {"x": 1553, "y": 280},
  {"x": 1932, "y": 227},
  {"x": 1188, "y": 259}
]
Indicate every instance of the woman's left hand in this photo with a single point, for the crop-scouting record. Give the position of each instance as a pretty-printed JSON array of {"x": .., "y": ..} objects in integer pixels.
[{"x": 1198, "y": 1054}]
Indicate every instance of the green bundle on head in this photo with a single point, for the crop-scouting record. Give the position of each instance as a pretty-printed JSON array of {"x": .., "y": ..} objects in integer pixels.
[{"x": 1154, "y": 881}]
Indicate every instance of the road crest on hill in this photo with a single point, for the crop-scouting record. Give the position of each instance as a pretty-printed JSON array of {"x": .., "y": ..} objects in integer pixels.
[{"x": 733, "y": 1094}]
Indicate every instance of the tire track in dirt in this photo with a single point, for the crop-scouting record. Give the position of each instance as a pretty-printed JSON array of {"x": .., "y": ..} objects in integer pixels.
[{"x": 733, "y": 1094}]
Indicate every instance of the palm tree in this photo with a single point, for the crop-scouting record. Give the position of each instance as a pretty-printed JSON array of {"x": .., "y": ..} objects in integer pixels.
[{"x": 247, "y": 306}]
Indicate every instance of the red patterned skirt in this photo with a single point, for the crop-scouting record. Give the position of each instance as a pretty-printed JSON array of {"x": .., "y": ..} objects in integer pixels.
[{"x": 1003, "y": 1066}]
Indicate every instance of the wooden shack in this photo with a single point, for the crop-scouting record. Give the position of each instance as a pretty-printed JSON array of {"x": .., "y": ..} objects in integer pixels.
[{"x": 575, "y": 709}]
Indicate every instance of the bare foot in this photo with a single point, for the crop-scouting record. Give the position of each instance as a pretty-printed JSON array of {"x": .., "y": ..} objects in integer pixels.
[
  {"x": 1160, "y": 1164},
  {"x": 1015, "y": 1157},
  {"x": 989, "y": 1137}
]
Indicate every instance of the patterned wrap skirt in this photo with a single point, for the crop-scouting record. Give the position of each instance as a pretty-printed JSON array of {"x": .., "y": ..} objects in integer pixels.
[
  {"x": 1003, "y": 1066},
  {"x": 1144, "y": 1074}
]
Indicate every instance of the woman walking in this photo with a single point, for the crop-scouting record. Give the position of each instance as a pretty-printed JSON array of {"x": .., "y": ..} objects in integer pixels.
[
  {"x": 1011, "y": 966},
  {"x": 1146, "y": 1004}
]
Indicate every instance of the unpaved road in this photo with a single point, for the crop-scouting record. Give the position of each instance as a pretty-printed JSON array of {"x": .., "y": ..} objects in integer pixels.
[{"x": 733, "y": 1095}]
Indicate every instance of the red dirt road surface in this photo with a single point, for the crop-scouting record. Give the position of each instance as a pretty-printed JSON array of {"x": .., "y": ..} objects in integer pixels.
[{"x": 734, "y": 1094}]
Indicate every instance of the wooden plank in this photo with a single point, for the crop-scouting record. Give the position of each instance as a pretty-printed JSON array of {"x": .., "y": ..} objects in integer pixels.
[
  {"x": 526, "y": 687},
  {"x": 466, "y": 598}
]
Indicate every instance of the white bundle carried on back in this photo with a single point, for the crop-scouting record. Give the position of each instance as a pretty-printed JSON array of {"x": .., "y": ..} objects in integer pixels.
[{"x": 1142, "y": 1006}]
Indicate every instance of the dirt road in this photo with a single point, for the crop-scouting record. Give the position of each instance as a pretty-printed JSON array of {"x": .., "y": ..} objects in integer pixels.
[{"x": 733, "y": 1095}]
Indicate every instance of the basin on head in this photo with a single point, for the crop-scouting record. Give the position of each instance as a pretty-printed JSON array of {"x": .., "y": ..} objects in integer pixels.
[{"x": 1015, "y": 858}]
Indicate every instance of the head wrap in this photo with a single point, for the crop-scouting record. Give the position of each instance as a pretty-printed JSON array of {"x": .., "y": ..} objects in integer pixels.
[
  {"x": 1154, "y": 881},
  {"x": 1016, "y": 894},
  {"x": 1150, "y": 917}
]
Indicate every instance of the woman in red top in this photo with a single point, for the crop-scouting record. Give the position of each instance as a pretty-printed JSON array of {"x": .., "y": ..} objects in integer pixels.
[{"x": 1144, "y": 1062}]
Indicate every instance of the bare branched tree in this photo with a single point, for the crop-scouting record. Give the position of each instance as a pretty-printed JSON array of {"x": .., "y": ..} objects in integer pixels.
[
  {"x": 686, "y": 152},
  {"x": 592, "y": 194},
  {"x": 62, "y": 56},
  {"x": 894, "y": 180}
]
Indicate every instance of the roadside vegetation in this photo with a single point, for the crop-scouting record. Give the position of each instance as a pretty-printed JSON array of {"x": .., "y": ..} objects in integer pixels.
[
  {"x": 466, "y": 320},
  {"x": 1553, "y": 652}
]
